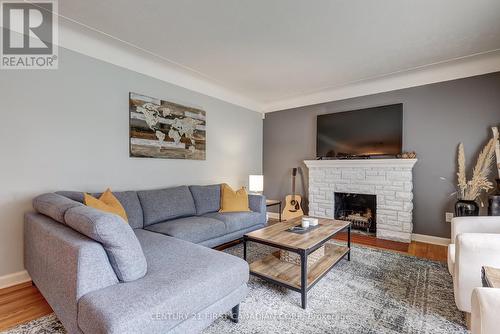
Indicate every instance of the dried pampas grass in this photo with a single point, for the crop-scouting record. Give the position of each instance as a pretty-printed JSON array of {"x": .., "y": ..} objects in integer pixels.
[
  {"x": 470, "y": 190},
  {"x": 462, "y": 178},
  {"x": 497, "y": 147}
]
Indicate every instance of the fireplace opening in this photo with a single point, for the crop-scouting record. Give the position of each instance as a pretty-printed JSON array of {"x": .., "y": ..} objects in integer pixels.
[{"x": 359, "y": 209}]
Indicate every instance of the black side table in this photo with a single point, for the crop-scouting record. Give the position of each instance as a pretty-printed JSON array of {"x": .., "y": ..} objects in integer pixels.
[{"x": 273, "y": 202}]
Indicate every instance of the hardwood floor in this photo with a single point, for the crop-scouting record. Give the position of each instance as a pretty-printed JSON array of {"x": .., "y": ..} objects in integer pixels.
[
  {"x": 22, "y": 303},
  {"x": 415, "y": 248}
]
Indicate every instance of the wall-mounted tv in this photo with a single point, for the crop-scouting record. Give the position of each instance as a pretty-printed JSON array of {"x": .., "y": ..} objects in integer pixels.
[{"x": 370, "y": 132}]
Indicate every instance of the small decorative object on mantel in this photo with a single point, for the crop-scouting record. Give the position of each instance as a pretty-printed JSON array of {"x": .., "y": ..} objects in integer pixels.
[
  {"x": 494, "y": 200},
  {"x": 469, "y": 190},
  {"x": 407, "y": 155}
]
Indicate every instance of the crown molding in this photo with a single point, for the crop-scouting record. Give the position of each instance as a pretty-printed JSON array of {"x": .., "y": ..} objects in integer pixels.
[
  {"x": 98, "y": 45},
  {"x": 473, "y": 65}
]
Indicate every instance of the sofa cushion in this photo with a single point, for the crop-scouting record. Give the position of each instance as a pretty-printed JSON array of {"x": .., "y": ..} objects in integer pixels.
[
  {"x": 128, "y": 199},
  {"x": 118, "y": 240},
  {"x": 236, "y": 221},
  {"x": 206, "y": 198},
  {"x": 165, "y": 204},
  {"x": 182, "y": 279},
  {"x": 194, "y": 229},
  {"x": 54, "y": 205}
]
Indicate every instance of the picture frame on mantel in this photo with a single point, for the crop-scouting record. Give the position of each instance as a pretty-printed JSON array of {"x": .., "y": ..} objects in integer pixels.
[{"x": 165, "y": 130}]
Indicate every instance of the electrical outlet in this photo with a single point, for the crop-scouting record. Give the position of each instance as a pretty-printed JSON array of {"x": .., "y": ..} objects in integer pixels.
[{"x": 449, "y": 216}]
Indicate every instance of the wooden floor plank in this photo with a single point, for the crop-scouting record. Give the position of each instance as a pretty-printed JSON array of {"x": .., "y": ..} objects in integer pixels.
[
  {"x": 369, "y": 240},
  {"x": 15, "y": 287},
  {"x": 20, "y": 304}
]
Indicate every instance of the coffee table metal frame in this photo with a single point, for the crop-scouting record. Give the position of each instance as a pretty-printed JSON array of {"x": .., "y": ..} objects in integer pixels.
[{"x": 303, "y": 253}]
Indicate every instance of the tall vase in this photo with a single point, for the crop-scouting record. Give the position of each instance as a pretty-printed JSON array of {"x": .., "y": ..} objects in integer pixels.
[
  {"x": 466, "y": 208},
  {"x": 494, "y": 202}
]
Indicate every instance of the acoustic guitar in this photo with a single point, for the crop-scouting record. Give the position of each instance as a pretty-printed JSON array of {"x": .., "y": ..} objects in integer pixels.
[{"x": 293, "y": 202}]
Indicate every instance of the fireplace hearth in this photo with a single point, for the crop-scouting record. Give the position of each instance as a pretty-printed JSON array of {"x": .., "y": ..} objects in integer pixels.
[{"x": 359, "y": 209}]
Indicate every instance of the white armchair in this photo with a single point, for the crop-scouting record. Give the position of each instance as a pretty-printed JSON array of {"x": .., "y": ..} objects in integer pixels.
[
  {"x": 475, "y": 243},
  {"x": 485, "y": 311}
]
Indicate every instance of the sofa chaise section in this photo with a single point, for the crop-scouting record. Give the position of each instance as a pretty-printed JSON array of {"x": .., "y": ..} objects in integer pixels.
[{"x": 182, "y": 280}]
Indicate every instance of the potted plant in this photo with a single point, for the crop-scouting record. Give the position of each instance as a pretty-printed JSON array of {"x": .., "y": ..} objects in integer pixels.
[{"x": 470, "y": 190}]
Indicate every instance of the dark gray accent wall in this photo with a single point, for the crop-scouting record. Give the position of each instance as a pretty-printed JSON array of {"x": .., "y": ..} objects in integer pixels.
[{"x": 436, "y": 118}]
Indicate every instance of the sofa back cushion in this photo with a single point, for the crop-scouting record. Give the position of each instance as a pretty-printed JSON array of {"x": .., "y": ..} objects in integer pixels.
[
  {"x": 54, "y": 205},
  {"x": 128, "y": 199},
  {"x": 165, "y": 204},
  {"x": 206, "y": 198},
  {"x": 118, "y": 240}
]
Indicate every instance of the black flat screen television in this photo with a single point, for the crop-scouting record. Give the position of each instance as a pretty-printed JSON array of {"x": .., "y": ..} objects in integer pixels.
[{"x": 371, "y": 132}]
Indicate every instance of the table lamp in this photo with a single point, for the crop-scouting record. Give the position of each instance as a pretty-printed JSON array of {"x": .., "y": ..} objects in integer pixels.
[{"x": 256, "y": 183}]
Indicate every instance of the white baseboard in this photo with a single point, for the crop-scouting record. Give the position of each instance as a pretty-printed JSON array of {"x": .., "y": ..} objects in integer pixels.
[
  {"x": 430, "y": 239},
  {"x": 14, "y": 279}
]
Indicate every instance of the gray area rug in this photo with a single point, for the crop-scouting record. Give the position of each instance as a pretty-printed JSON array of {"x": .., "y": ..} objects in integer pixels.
[{"x": 377, "y": 292}]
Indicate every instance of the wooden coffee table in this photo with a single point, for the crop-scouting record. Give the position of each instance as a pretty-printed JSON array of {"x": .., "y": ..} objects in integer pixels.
[{"x": 293, "y": 276}]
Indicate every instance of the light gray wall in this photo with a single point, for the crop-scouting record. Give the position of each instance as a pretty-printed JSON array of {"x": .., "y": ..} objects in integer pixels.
[
  {"x": 436, "y": 118},
  {"x": 68, "y": 129}
]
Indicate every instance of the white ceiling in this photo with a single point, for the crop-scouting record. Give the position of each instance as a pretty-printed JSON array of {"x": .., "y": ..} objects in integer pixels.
[{"x": 274, "y": 50}]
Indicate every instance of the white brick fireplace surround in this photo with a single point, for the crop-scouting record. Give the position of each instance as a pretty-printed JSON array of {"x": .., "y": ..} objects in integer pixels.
[{"x": 391, "y": 180}]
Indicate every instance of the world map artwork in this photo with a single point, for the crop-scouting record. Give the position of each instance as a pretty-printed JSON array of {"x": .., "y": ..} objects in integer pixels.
[{"x": 163, "y": 129}]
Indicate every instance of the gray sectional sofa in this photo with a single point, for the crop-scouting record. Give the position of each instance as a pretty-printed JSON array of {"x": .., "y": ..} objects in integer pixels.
[{"x": 157, "y": 274}]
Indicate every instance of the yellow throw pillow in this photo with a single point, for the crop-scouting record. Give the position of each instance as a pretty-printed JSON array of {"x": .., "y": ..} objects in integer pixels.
[
  {"x": 233, "y": 201},
  {"x": 107, "y": 203}
]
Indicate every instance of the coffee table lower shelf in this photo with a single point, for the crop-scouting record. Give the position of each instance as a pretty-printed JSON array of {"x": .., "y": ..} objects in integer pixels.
[{"x": 289, "y": 274}]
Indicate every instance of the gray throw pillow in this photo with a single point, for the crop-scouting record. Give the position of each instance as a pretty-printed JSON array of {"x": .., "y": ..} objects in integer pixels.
[{"x": 116, "y": 236}]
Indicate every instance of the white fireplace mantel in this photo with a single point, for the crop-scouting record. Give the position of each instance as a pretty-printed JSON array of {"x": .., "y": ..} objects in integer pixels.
[
  {"x": 363, "y": 163},
  {"x": 391, "y": 180}
]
